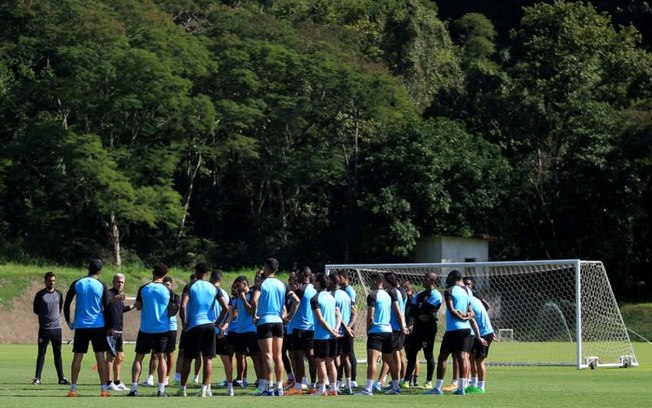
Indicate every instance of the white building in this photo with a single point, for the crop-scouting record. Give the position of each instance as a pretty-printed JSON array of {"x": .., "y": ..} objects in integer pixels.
[{"x": 447, "y": 249}]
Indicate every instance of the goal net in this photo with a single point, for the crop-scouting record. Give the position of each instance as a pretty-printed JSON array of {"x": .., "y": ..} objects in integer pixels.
[{"x": 560, "y": 312}]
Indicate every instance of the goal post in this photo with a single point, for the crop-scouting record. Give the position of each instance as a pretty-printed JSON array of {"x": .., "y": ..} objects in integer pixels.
[{"x": 557, "y": 312}]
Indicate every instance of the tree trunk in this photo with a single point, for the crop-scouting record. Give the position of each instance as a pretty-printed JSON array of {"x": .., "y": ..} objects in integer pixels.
[
  {"x": 114, "y": 234},
  {"x": 186, "y": 200}
]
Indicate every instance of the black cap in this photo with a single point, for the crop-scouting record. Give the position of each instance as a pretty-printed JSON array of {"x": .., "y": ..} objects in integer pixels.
[{"x": 95, "y": 266}]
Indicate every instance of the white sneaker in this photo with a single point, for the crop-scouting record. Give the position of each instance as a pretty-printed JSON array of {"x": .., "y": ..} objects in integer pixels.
[
  {"x": 120, "y": 387},
  {"x": 354, "y": 384},
  {"x": 196, "y": 379},
  {"x": 110, "y": 387},
  {"x": 149, "y": 382},
  {"x": 229, "y": 392}
]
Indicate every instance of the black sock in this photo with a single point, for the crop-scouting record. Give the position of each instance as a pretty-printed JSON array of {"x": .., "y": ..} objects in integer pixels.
[{"x": 116, "y": 382}]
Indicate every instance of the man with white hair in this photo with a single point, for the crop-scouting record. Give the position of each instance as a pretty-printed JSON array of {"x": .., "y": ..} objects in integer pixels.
[{"x": 117, "y": 308}]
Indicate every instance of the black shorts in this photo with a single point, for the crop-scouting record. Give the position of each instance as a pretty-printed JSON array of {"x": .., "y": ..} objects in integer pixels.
[
  {"x": 200, "y": 339},
  {"x": 398, "y": 341},
  {"x": 420, "y": 339},
  {"x": 222, "y": 346},
  {"x": 302, "y": 340},
  {"x": 456, "y": 341},
  {"x": 244, "y": 343},
  {"x": 345, "y": 344},
  {"x": 46, "y": 336},
  {"x": 148, "y": 342},
  {"x": 182, "y": 340},
  {"x": 480, "y": 351},
  {"x": 380, "y": 342},
  {"x": 325, "y": 348},
  {"x": 119, "y": 343},
  {"x": 172, "y": 341},
  {"x": 97, "y": 337},
  {"x": 269, "y": 330}
]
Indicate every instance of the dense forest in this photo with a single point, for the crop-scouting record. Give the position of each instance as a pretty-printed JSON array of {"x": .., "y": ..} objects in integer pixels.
[{"x": 326, "y": 131}]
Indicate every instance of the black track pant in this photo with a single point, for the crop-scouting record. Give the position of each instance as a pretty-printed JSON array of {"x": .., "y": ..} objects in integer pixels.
[
  {"x": 46, "y": 336},
  {"x": 420, "y": 340}
]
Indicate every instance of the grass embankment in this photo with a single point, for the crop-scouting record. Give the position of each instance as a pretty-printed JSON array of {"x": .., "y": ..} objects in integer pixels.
[
  {"x": 15, "y": 279},
  {"x": 638, "y": 319}
]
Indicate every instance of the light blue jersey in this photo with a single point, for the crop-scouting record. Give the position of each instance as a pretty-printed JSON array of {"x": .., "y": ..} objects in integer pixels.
[
  {"x": 343, "y": 302},
  {"x": 481, "y": 316},
  {"x": 173, "y": 319},
  {"x": 271, "y": 301},
  {"x": 382, "y": 302},
  {"x": 92, "y": 296},
  {"x": 303, "y": 319},
  {"x": 245, "y": 322},
  {"x": 351, "y": 292},
  {"x": 155, "y": 298},
  {"x": 326, "y": 304},
  {"x": 201, "y": 300},
  {"x": 461, "y": 301},
  {"x": 400, "y": 297},
  {"x": 234, "y": 319}
]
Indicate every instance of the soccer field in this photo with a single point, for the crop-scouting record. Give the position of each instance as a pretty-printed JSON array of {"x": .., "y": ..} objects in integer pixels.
[{"x": 506, "y": 387}]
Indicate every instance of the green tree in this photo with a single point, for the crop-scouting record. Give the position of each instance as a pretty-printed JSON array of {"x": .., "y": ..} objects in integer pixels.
[
  {"x": 428, "y": 177},
  {"x": 120, "y": 72},
  {"x": 572, "y": 74}
]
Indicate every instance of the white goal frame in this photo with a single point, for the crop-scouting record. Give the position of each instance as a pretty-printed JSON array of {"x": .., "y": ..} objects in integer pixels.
[{"x": 484, "y": 270}]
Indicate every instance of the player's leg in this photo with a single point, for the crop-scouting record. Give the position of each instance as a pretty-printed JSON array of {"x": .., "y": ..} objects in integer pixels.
[
  {"x": 79, "y": 348},
  {"x": 428, "y": 353},
  {"x": 56, "y": 340},
  {"x": 136, "y": 369},
  {"x": 390, "y": 348},
  {"x": 43, "y": 340},
  {"x": 277, "y": 353},
  {"x": 412, "y": 350},
  {"x": 309, "y": 352},
  {"x": 374, "y": 346},
  {"x": 152, "y": 368}
]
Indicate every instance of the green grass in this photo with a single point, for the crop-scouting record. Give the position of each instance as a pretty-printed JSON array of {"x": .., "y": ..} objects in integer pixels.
[{"x": 506, "y": 387}]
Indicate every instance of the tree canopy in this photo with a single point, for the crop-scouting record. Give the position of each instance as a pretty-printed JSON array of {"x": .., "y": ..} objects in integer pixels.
[{"x": 321, "y": 131}]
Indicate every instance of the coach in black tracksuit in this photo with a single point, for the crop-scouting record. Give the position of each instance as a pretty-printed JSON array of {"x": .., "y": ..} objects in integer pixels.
[
  {"x": 425, "y": 306},
  {"x": 48, "y": 303}
]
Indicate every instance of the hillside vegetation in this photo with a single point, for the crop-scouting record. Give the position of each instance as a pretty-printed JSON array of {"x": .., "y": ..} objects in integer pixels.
[{"x": 321, "y": 131}]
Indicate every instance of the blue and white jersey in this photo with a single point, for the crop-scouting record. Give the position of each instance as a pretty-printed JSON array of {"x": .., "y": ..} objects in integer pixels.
[
  {"x": 481, "y": 316},
  {"x": 202, "y": 296},
  {"x": 92, "y": 298},
  {"x": 351, "y": 292},
  {"x": 245, "y": 322},
  {"x": 217, "y": 308},
  {"x": 303, "y": 319},
  {"x": 155, "y": 298},
  {"x": 461, "y": 301},
  {"x": 343, "y": 302},
  {"x": 326, "y": 304},
  {"x": 382, "y": 302},
  {"x": 271, "y": 301},
  {"x": 426, "y": 302},
  {"x": 400, "y": 297}
]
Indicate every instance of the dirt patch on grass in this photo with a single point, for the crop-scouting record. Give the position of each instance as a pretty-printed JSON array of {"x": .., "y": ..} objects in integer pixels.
[{"x": 20, "y": 324}]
